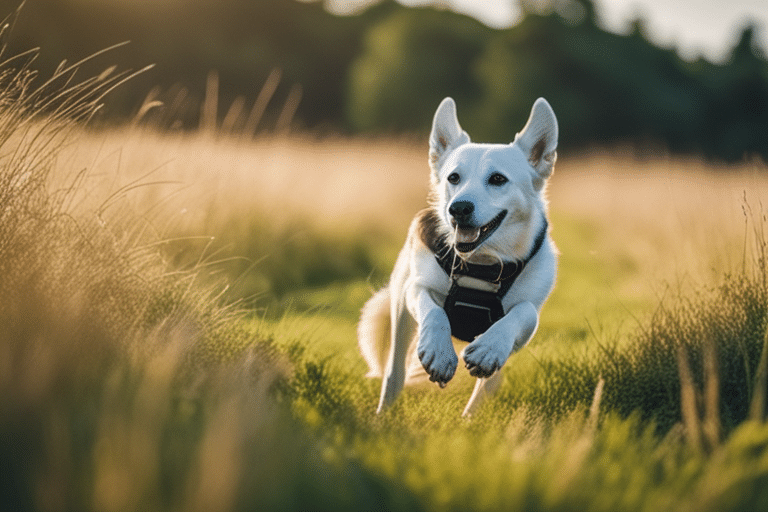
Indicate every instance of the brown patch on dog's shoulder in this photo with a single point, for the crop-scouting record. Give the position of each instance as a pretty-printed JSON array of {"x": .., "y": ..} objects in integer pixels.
[
  {"x": 538, "y": 151},
  {"x": 428, "y": 229}
]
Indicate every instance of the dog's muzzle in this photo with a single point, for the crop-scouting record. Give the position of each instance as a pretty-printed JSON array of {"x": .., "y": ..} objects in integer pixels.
[{"x": 468, "y": 237}]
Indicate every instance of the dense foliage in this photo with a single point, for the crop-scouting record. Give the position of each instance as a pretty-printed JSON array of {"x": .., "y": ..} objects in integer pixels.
[{"x": 385, "y": 70}]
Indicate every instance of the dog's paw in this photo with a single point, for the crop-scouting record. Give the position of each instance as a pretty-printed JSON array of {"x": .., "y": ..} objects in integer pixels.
[
  {"x": 483, "y": 359},
  {"x": 438, "y": 359}
]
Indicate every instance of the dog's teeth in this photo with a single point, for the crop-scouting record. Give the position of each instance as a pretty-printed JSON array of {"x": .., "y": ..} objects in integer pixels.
[{"x": 467, "y": 236}]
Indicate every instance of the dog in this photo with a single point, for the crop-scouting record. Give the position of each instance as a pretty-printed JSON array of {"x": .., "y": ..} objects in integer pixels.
[{"x": 478, "y": 263}]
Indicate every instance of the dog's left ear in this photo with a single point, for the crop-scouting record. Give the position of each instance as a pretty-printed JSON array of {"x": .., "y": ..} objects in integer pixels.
[
  {"x": 538, "y": 140},
  {"x": 446, "y": 133}
]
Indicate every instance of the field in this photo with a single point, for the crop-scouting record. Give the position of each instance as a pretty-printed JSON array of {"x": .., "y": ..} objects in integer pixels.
[{"x": 178, "y": 332}]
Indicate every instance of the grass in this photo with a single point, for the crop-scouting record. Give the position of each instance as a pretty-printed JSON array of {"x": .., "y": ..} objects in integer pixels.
[{"x": 178, "y": 330}]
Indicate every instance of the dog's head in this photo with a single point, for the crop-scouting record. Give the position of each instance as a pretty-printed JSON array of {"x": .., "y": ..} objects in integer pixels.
[{"x": 488, "y": 197}]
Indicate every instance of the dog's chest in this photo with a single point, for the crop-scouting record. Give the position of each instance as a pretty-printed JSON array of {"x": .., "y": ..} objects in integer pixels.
[{"x": 474, "y": 300}]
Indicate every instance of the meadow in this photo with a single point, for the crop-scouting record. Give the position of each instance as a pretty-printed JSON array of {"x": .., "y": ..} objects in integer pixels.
[{"x": 178, "y": 328}]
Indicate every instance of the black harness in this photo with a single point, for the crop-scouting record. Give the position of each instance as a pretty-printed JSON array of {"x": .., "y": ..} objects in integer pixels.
[{"x": 471, "y": 311}]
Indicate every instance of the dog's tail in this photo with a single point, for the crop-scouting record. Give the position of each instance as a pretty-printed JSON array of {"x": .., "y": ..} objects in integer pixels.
[{"x": 373, "y": 332}]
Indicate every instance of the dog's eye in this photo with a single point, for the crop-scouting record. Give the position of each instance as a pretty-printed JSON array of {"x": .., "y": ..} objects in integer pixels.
[
  {"x": 454, "y": 178},
  {"x": 497, "y": 179}
]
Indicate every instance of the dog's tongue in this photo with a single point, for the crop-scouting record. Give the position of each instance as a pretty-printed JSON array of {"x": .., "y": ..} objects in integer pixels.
[{"x": 467, "y": 235}]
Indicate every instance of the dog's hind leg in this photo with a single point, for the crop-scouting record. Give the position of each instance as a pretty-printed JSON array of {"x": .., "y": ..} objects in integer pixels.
[
  {"x": 483, "y": 389},
  {"x": 373, "y": 332},
  {"x": 403, "y": 329}
]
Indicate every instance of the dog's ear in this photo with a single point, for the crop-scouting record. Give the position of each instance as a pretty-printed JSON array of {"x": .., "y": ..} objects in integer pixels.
[
  {"x": 446, "y": 133},
  {"x": 538, "y": 140}
]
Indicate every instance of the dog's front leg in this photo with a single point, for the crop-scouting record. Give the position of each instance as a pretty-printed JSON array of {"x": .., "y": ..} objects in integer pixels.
[
  {"x": 434, "y": 348},
  {"x": 490, "y": 350}
]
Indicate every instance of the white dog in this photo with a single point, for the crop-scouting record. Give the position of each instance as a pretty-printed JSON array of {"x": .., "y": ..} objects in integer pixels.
[{"x": 478, "y": 264}]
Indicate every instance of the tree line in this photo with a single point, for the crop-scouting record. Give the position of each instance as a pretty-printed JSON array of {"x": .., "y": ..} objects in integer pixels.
[{"x": 384, "y": 70}]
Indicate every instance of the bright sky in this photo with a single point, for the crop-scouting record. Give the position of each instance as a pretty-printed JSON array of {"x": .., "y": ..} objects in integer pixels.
[{"x": 694, "y": 26}]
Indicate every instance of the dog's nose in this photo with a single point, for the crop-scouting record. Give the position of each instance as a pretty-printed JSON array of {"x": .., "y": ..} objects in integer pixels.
[{"x": 462, "y": 211}]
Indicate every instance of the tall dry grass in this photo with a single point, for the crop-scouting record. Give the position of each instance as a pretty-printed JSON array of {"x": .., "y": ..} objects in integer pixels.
[
  {"x": 112, "y": 394},
  {"x": 275, "y": 206},
  {"x": 673, "y": 216}
]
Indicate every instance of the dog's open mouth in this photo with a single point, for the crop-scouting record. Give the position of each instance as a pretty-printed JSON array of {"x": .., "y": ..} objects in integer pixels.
[{"x": 469, "y": 238}]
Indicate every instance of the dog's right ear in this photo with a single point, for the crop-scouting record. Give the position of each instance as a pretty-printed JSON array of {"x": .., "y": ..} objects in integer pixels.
[{"x": 446, "y": 133}]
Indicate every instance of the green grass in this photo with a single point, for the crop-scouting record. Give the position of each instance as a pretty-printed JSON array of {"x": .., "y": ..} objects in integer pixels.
[{"x": 128, "y": 381}]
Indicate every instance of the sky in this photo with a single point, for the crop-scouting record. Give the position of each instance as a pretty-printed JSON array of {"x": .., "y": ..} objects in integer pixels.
[{"x": 695, "y": 27}]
